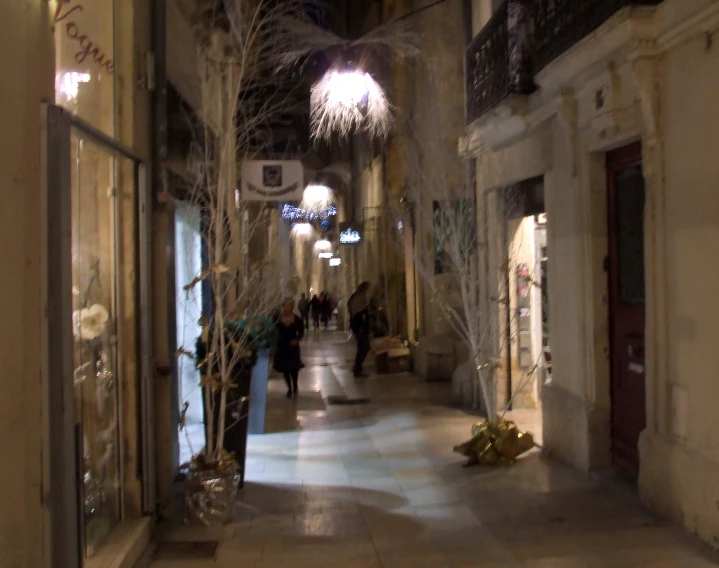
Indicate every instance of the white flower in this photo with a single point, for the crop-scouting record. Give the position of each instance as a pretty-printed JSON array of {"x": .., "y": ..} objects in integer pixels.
[{"x": 89, "y": 323}]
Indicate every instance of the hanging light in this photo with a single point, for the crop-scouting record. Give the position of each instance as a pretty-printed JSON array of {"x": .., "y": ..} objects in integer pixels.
[
  {"x": 302, "y": 231},
  {"x": 316, "y": 198},
  {"x": 344, "y": 100},
  {"x": 323, "y": 246}
]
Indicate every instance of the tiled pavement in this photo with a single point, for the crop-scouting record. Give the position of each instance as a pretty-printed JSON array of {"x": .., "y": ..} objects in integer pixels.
[{"x": 379, "y": 486}]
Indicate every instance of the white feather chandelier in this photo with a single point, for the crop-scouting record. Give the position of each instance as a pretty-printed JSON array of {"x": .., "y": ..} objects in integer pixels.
[
  {"x": 317, "y": 197},
  {"x": 302, "y": 231},
  {"x": 322, "y": 246},
  {"x": 347, "y": 100}
]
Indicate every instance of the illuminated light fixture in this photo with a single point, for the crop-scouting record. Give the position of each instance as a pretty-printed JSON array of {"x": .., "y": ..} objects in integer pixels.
[
  {"x": 346, "y": 100},
  {"x": 293, "y": 213},
  {"x": 302, "y": 231},
  {"x": 335, "y": 261},
  {"x": 69, "y": 83},
  {"x": 316, "y": 197},
  {"x": 350, "y": 236},
  {"x": 323, "y": 246},
  {"x": 325, "y": 255}
]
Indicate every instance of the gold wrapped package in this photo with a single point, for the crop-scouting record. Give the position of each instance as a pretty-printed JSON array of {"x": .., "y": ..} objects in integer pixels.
[{"x": 495, "y": 443}]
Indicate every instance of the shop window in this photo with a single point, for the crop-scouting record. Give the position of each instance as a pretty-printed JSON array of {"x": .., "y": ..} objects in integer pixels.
[
  {"x": 97, "y": 298},
  {"x": 84, "y": 60}
]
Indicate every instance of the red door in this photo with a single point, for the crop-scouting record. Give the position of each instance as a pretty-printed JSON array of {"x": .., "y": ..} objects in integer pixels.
[{"x": 626, "y": 297}]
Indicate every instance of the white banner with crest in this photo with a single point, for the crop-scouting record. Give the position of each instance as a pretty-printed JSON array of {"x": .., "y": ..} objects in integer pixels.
[{"x": 265, "y": 180}]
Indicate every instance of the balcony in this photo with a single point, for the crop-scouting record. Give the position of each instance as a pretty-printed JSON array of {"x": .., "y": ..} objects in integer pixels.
[
  {"x": 560, "y": 24},
  {"x": 523, "y": 37}
]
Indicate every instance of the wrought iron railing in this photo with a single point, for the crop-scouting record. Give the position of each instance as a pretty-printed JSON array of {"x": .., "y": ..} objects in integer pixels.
[
  {"x": 559, "y": 24},
  {"x": 521, "y": 38},
  {"x": 498, "y": 62},
  {"x": 487, "y": 67}
]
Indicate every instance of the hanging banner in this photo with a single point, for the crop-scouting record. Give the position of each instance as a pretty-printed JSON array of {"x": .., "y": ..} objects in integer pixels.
[
  {"x": 350, "y": 233},
  {"x": 264, "y": 180}
]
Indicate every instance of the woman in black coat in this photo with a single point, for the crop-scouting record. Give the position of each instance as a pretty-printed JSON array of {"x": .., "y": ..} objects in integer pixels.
[{"x": 290, "y": 330}]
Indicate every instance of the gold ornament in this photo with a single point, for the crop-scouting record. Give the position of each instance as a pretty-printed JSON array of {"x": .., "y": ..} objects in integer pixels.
[{"x": 497, "y": 442}]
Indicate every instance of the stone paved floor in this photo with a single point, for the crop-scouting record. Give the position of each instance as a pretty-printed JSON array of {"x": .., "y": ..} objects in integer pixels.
[{"x": 378, "y": 486}]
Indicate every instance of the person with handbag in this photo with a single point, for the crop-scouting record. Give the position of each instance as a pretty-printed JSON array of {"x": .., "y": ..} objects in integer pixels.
[{"x": 288, "y": 360}]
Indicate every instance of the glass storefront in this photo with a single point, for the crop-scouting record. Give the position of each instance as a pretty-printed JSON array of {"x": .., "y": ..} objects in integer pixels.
[
  {"x": 103, "y": 196},
  {"x": 94, "y": 260}
]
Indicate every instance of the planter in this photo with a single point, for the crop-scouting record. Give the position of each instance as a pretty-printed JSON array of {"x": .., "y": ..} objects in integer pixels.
[
  {"x": 210, "y": 495},
  {"x": 258, "y": 393},
  {"x": 235, "y": 440}
]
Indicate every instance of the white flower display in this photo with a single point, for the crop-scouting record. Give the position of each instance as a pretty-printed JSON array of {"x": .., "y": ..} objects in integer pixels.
[{"x": 90, "y": 323}]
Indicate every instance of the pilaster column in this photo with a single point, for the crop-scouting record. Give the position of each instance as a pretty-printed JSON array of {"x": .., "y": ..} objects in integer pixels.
[{"x": 646, "y": 77}]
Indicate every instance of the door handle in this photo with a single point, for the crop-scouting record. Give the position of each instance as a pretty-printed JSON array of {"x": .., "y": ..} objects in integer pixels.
[{"x": 634, "y": 351}]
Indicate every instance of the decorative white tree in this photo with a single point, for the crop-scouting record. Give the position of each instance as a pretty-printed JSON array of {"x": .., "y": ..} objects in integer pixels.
[
  {"x": 440, "y": 207},
  {"x": 246, "y": 89}
]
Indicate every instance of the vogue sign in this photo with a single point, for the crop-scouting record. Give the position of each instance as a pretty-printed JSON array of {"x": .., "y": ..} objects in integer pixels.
[{"x": 87, "y": 48}]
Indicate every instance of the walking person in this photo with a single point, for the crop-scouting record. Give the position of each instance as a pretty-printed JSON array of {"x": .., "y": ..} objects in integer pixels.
[
  {"x": 315, "y": 308},
  {"x": 326, "y": 309},
  {"x": 357, "y": 305},
  {"x": 290, "y": 330},
  {"x": 304, "y": 307}
]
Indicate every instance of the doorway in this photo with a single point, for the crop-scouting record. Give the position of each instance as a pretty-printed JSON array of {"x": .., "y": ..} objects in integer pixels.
[
  {"x": 526, "y": 322},
  {"x": 188, "y": 307},
  {"x": 626, "y": 196}
]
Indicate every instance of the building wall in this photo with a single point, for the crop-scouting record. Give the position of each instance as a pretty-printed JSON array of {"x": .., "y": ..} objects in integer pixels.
[
  {"x": 26, "y": 39},
  {"x": 663, "y": 95},
  {"x": 381, "y": 175},
  {"x": 681, "y": 453}
]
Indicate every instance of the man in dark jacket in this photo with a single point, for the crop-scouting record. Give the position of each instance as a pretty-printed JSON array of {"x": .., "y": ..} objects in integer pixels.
[
  {"x": 304, "y": 307},
  {"x": 359, "y": 324}
]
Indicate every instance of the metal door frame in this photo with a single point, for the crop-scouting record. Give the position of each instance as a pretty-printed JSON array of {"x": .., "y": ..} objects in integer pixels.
[{"x": 61, "y": 478}]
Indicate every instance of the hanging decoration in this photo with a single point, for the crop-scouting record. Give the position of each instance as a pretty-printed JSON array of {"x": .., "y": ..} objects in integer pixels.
[
  {"x": 325, "y": 255},
  {"x": 322, "y": 246},
  {"x": 349, "y": 100},
  {"x": 317, "y": 198},
  {"x": 302, "y": 231}
]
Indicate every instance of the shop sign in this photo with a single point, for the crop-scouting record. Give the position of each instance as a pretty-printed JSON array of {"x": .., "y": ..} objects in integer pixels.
[
  {"x": 87, "y": 47},
  {"x": 335, "y": 261},
  {"x": 349, "y": 234},
  {"x": 272, "y": 180}
]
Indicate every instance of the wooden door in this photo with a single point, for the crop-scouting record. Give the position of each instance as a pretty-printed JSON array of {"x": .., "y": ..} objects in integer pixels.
[{"x": 626, "y": 296}]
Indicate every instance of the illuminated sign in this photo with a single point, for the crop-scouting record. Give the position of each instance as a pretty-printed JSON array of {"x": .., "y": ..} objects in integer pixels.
[
  {"x": 325, "y": 255},
  {"x": 335, "y": 261},
  {"x": 350, "y": 236}
]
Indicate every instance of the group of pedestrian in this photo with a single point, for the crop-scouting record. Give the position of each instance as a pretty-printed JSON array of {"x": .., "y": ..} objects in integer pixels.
[
  {"x": 291, "y": 330},
  {"x": 321, "y": 307}
]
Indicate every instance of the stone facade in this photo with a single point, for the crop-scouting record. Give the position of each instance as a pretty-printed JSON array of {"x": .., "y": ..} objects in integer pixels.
[{"x": 646, "y": 74}]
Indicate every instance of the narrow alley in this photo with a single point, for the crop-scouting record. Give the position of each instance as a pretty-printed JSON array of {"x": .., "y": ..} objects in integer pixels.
[{"x": 377, "y": 484}]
